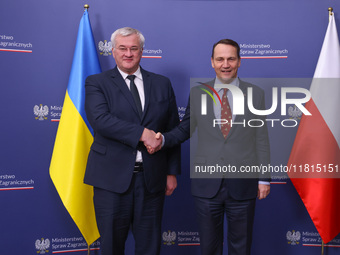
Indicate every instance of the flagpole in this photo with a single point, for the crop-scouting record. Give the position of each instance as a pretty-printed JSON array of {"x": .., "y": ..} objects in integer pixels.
[
  {"x": 86, "y": 7},
  {"x": 330, "y": 12}
]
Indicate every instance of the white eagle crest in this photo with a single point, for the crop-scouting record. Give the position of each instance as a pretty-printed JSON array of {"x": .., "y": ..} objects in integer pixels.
[
  {"x": 294, "y": 112},
  {"x": 105, "y": 48},
  {"x": 293, "y": 237},
  {"x": 169, "y": 237},
  {"x": 42, "y": 245},
  {"x": 40, "y": 111}
]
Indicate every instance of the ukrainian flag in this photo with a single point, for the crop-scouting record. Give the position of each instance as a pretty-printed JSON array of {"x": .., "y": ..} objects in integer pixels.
[{"x": 74, "y": 137}]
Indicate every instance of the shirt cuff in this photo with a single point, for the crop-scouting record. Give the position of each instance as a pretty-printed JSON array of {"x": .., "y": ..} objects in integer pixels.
[
  {"x": 265, "y": 183},
  {"x": 163, "y": 141}
]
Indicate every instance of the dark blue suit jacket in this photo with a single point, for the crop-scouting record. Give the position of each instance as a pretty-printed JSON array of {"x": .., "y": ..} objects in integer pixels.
[
  {"x": 113, "y": 115},
  {"x": 244, "y": 145}
]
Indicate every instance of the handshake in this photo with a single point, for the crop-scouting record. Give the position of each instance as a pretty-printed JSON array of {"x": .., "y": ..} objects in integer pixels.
[{"x": 151, "y": 140}]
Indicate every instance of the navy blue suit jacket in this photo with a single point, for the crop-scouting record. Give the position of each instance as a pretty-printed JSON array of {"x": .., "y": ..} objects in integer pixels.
[
  {"x": 244, "y": 145},
  {"x": 112, "y": 113}
]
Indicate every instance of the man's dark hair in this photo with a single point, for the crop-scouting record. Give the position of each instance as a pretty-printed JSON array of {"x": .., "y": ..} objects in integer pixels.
[{"x": 227, "y": 42}]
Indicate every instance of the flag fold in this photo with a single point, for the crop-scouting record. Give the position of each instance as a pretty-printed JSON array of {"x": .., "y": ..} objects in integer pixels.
[
  {"x": 74, "y": 137},
  {"x": 316, "y": 151}
]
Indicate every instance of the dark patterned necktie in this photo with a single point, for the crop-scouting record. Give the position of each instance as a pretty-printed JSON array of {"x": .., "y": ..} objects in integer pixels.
[
  {"x": 135, "y": 94},
  {"x": 225, "y": 114}
]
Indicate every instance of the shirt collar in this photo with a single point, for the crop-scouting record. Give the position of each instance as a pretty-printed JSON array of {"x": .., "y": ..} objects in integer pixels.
[
  {"x": 235, "y": 82},
  {"x": 138, "y": 73}
]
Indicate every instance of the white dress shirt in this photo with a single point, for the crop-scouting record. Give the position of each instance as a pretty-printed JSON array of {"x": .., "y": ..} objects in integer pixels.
[{"x": 140, "y": 87}]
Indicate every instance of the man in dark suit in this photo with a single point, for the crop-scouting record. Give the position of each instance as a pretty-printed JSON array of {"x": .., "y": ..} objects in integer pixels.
[
  {"x": 225, "y": 140},
  {"x": 125, "y": 106}
]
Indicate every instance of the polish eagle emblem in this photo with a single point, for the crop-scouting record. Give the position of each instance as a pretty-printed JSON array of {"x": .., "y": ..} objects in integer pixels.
[
  {"x": 105, "y": 48},
  {"x": 294, "y": 112},
  {"x": 42, "y": 245},
  {"x": 169, "y": 237},
  {"x": 293, "y": 237},
  {"x": 40, "y": 111}
]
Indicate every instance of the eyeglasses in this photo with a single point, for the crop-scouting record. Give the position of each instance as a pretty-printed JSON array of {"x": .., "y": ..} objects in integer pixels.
[{"x": 125, "y": 49}]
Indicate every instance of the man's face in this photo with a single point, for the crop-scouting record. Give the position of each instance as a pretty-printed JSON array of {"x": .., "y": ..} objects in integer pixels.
[
  {"x": 225, "y": 62},
  {"x": 127, "y": 53}
]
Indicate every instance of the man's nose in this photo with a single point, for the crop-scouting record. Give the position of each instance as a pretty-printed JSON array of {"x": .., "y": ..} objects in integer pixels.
[
  {"x": 226, "y": 63},
  {"x": 128, "y": 52}
]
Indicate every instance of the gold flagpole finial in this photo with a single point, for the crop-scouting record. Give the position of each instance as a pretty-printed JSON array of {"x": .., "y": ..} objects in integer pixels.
[
  {"x": 86, "y": 6},
  {"x": 330, "y": 10}
]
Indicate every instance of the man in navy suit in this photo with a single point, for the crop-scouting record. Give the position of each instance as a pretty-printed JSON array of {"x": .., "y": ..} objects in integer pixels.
[
  {"x": 125, "y": 106},
  {"x": 230, "y": 143}
]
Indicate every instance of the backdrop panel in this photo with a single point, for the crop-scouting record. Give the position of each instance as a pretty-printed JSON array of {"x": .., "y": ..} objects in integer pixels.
[{"x": 279, "y": 39}]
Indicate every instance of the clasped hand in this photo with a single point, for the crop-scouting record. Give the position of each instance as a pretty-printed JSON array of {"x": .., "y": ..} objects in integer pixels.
[{"x": 151, "y": 140}]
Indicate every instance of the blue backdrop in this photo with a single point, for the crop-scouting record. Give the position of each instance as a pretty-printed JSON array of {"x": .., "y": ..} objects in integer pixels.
[{"x": 278, "y": 38}]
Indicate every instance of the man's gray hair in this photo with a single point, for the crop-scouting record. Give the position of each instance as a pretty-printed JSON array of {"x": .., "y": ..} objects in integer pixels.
[{"x": 126, "y": 31}]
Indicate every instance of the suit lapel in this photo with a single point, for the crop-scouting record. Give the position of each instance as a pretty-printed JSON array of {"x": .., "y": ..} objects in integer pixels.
[
  {"x": 121, "y": 84},
  {"x": 239, "y": 118},
  {"x": 147, "y": 90},
  {"x": 211, "y": 114},
  {"x": 243, "y": 87}
]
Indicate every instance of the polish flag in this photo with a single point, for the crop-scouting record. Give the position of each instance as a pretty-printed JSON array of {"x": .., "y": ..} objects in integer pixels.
[{"x": 315, "y": 155}]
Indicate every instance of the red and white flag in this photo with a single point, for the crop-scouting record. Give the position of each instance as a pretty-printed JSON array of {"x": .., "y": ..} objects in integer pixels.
[{"x": 316, "y": 150}]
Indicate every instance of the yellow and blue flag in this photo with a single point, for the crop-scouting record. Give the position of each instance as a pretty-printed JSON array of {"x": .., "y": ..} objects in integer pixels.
[{"x": 75, "y": 136}]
